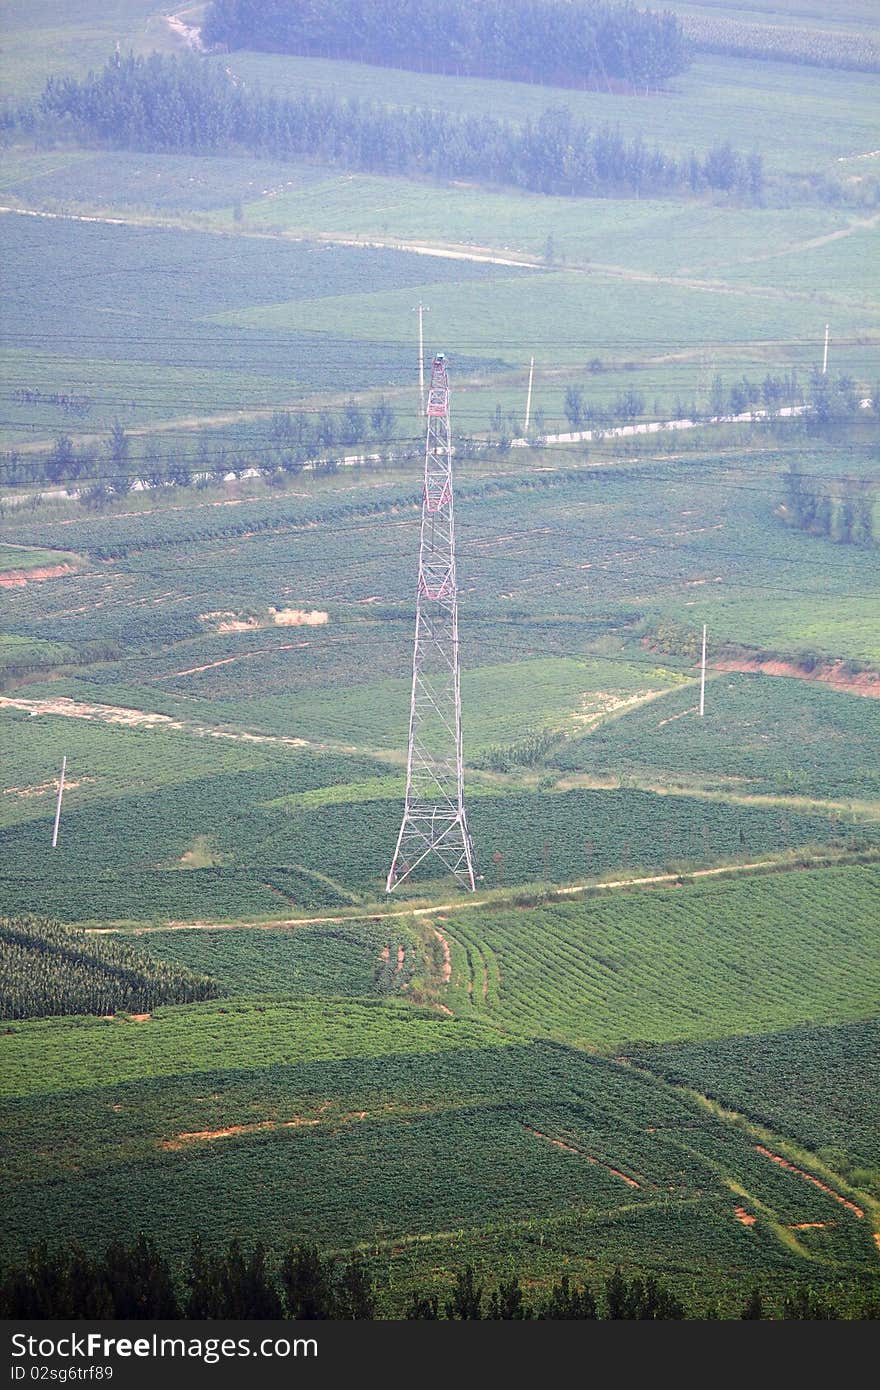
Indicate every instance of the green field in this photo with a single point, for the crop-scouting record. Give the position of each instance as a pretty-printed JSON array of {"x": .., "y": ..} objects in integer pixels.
[
  {"x": 624, "y": 1169},
  {"x": 601, "y": 972},
  {"x": 759, "y": 735},
  {"x": 570, "y": 1071}
]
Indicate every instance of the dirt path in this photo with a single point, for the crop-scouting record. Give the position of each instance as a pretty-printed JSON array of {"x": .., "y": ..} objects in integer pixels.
[
  {"x": 463, "y": 905},
  {"x": 133, "y": 718},
  {"x": 858, "y": 224},
  {"x": 188, "y": 33}
]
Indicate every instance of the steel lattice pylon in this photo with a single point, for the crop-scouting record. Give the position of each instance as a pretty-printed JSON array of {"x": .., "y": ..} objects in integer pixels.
[{"x": 434, "y": 820}]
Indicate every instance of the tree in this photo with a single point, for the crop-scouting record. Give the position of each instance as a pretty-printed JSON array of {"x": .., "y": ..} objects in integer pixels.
[
  {"x": 574, "y": 406},
  {"x": 61, "y": 461},
  {"x": 466, "y": 1303},
  {"x": 423, "y": 1308},
  {"x": 569, "y": 1301},
  {"x": 383, "y": 420},
  {"x": 121, "y": 478},
  {"x": 139, "y": 1281},
  {"x": 307, "y": 1280},
  {"x": 353, "y": 428},
  {"x": 355, "y": 1296},
  {"x": 754, "y": 1308},
  {"x": 508, "y": 1304}
]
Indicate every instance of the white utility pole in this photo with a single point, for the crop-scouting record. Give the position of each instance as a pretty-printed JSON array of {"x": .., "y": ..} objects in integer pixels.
[
  {"x": 703, "y": 676},
  {"x": 529, "y": 398},
  {"x": 58, "y": 807},
  {"x": 825, "y": 353},
  {"x": 421, "y": 309}
]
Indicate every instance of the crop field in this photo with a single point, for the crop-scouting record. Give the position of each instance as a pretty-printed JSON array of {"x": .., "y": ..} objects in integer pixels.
[
  {"x": 356, "y": 958},
  {"x": 597, "y": 972},
  {"x": 758, "y": 735},
  {"x": 49, "y": 969},
  {"x": 813, "y": 1083},
  {"x": 138, "y": 294},
  {"x": 226, "y": 1027},
  {"x": 622, "y": 1168},
  {"x": 549, "y": 308}
]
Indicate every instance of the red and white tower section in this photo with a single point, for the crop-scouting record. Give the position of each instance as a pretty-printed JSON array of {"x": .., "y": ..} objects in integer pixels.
[{"x": 434, "y": 821}]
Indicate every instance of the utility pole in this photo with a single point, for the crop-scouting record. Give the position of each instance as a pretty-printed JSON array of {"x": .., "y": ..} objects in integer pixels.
[
  {"x": 421, "y": 309},
  {"x": 529, "y": 399},
  {"x": 58, "y": 807},
  {"x": 825, "y": 353},
  {"x": 703, "y": 676},
  {"x": 434, "y": 820}
]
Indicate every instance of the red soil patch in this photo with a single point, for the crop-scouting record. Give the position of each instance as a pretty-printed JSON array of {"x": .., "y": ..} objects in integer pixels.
[
  {"x": 808, "y": 1177},
  {"x": 14, "y": 579},
  {"x": 809, "y": 1226},
  {"x": 446, "y": 972},
  {"x": 615, "y": 1172},
  {"x": 744, "y": 1216},
  {"x": 865, "y": 683},
  {"x": 139, "y": 1018},
  {"x": 557, "y": 1143}
]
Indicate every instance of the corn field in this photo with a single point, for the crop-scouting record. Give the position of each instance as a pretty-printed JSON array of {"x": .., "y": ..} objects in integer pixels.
[
  {"x": 48, "y": 969},
  {"x": 822, "y": 48}
]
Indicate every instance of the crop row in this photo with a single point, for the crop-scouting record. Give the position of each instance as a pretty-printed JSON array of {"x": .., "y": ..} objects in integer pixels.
[
  {"x": 768, "y": 952},
  {"x": 526, "y": 1143},
  {"x": 49, "y": 969}
]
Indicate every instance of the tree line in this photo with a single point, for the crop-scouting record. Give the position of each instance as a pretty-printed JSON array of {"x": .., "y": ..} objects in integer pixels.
[
  {"x": 244, "y": 1283},
  {"x": 190, "y": 105},
  {"x": 562, "y": 42},
  {"x": 282, "y": 448},
  {"x": 846, "y": 511}
]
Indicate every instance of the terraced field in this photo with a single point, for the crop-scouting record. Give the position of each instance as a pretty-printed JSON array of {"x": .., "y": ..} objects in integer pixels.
[
  {"x": 769, "y": 952},
  {"x": 569, "y": 1071}
]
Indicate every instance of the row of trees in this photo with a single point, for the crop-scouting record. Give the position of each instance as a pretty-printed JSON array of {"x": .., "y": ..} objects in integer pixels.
[
  {"x": 137, "y": 1281},
  {"x": 284, "y": 445},
  {"x": 567, "y": 42},
  {"x": 846, "y": 511},
  {"x": 190, "y": 105},
  {"x": 824, "y": 401}
]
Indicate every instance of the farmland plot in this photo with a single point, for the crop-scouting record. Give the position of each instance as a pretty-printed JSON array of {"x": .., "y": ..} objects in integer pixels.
[
  {"x": 769, "y": 952},
  {"x": 618, "y": 1162}
]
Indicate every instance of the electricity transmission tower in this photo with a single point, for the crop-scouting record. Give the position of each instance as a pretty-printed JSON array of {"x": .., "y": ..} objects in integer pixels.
[{"x": 434, "y": 820}]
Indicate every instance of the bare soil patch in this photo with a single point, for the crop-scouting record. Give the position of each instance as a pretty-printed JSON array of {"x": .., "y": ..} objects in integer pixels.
[
  {"x": 446, "y": 972},
  {"x": 832, "y": 674},
  {"x": 745, "y": 1217},
  {"x": 15, "y": 579}
]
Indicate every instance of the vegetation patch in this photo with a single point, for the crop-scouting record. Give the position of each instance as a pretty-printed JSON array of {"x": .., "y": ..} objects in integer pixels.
[{"x": 46, "y": 968}]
